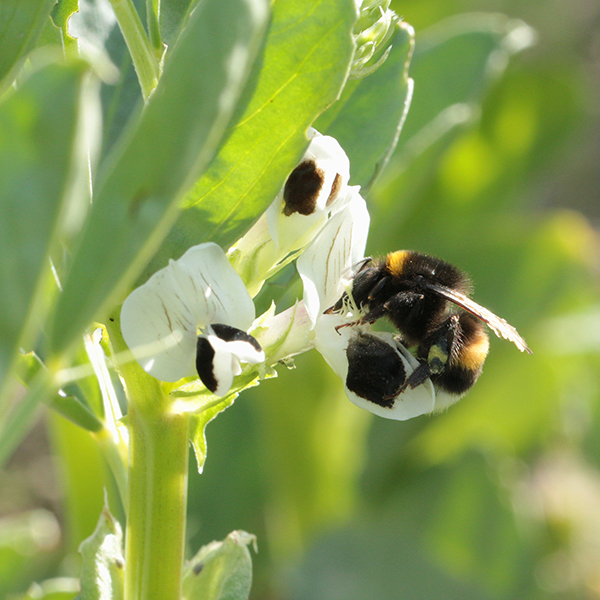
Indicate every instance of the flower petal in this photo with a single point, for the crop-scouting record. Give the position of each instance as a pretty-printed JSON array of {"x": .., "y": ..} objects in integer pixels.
[
  {"x": 220, "y": 294},
  {"x": 326, "y": 265},
  {"x": 160, "y": 319},
  {"x": 285, "y": 334},
  {"x": 215, "y": 365},
  {"x": 372, "y": 365},
  {"x": 315, "y": 189},
  {"x": 312, "y": 190},
  {"x": 219, "y": 352},
  {"x": 241, "y": 344}
]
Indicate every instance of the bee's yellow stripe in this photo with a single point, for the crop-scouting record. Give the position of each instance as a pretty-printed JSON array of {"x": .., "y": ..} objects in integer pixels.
[
  {"x": 395, "y": 262},
  {"x": 473, "y": 354}
]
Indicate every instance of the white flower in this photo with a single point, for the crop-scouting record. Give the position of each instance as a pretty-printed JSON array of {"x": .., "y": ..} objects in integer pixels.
[
  {"x": 373, "y": 365},
  {"x": 192, "y": 317},
  {"x": 285, "y": 334},
  {"x": 312, "y": 190},
  {"x": 316, "y": 188}
]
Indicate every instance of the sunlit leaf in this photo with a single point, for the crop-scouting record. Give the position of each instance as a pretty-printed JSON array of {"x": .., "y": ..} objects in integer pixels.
[
  {"x": 194, "y": 396},
  {"x": 368, "y": 117},
  {"x": 198, "y": 423},
  {"x": 301, "y": 71},
  {"x": 47, "y": 127},
  {"x": 175, "y": 138}
]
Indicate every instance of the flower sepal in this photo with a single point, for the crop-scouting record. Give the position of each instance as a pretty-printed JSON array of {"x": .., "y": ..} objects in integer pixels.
[
  {"x": 284, "y": 335},
  {"x": 194, "y": 397}
]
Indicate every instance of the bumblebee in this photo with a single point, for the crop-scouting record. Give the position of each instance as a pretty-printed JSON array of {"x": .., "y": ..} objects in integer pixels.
[{"x": 427, "y": 300}]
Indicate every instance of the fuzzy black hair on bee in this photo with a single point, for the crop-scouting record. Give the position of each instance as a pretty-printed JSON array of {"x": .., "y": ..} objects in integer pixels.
[{"x": 428, "y": 302}]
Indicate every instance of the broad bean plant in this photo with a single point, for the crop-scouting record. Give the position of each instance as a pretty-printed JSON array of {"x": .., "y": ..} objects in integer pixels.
[{"x": 161, "y": 162}]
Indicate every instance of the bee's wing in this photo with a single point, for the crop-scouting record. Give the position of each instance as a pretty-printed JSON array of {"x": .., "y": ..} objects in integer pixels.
[{"x": 499, "y": 326}]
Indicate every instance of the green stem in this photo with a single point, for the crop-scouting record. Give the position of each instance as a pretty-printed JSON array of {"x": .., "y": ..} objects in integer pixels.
[
  {"x": 152, "y": 9},
  {"x": 157, "y": 486},
  {"x": 157, "y": 505},
  {"x": 115, "y": 461},
  {"x": 144, "y": 59}
]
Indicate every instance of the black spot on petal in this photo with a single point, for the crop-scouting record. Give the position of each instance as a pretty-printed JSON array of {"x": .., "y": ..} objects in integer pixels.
[
  {"x": 230, "y": 334},
  {"x": 335, "y": 190},
  {"x": 302, "y": 188},
  {"x": 375, "y": 370},
  {"x": 204, "y": 363}
]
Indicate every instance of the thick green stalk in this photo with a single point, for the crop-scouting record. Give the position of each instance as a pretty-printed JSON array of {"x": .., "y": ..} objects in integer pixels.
[
  {"x": 154, "y": 541},
  {"x": 144, "y": 58},
  {"x": 157, "y": 486}
]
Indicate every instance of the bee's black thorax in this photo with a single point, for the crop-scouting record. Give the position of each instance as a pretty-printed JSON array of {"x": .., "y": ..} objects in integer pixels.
[{"x": 397, "y": 287}]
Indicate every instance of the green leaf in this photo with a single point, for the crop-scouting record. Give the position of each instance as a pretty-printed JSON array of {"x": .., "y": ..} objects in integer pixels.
[
  {"x": 72, "y": 408},
  {"x": 193, "y": 396},
  {"x": 198, "y": 423},
  {"x": 302, "y": 70},
  {"x": 141, "y": 183},
  {"x": 61, "y": 588},
  {"x": 69, "y": 406},
  {"x": 21, "y": 24},
  {"x": 172, "y": 16},
  {"x": 453, "y": 62},
  {"x": 44, "y": 163},
  {"x": 102, "y": 569},
  {"x": 369, "y": 116},
  {"x": 220, "y": 570},
  {"x": 61, "y": 13}
]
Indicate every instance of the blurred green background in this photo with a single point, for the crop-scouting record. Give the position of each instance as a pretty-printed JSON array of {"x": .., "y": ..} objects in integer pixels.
[{"x": 497, "y": 171}]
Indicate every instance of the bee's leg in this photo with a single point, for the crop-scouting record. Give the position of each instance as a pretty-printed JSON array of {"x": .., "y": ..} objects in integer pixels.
[
  {"x": 375, "y": 289},
  {"x": 366, "y": 280},
  {"x": 462, "y": 358},
  {"x": 404, "y": 301},
  {"x": 437, "y": 349},
  {"x": 419, "y": 376},
  {"x": 376, "y": 313},
  {"x": 337, "y": 306}
]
